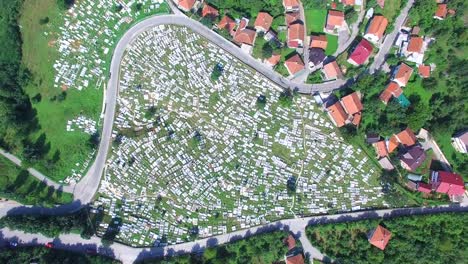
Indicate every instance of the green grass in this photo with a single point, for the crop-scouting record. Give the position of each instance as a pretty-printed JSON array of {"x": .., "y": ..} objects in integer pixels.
[
  {"x": 332, "y": 44},
  {"x": 17, "y": 184},
  {"x": 315, "y": 20},
  {"x": 390, "y": 11}
]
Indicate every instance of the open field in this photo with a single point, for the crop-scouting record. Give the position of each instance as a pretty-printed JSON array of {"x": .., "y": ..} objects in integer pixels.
[
  {"x": 332, "y": 45},
  {"x": 315, "y": 20}
]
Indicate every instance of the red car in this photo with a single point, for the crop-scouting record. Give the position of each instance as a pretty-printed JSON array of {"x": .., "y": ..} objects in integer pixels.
[{"x": 49, "y": 245}]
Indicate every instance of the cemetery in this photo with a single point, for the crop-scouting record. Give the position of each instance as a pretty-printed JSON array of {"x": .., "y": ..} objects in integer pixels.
[{"x": 195, "y": 156}]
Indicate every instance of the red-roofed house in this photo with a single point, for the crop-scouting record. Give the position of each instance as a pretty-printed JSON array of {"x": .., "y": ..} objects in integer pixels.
[
  {"x": 352, "y": 103},
  {"x": 392, "y": 144},
  {"x": 318, "y": 41},
  {"x": 295, "y": 259},
  {"x": 424, "y": 187},
  {"x": 331, "y": 71},
  {"x": 228, "y": 24},
  {"x": 296, "y": 35},
  {"x": 402, "y": 74},
  {"x": 348, "y": 2},
  {"x": 392, "y": 90},
  {"x": 376, "y": 28},
  {"x": 291, "y": 5},
  {"x": 335, "y": 21},
  {"x": 424, "y": 71},
  {"x": 290, "y": 241},
  {"x": 292, "y": 17},
  {"x": 361, "y": 53},
  {"x": 294, "y": 64},
  {"x": 263, "y": 22},
  {"x": 186, "y": 5},
  {"x": 447, "y": 182},
  {"x": 406, "y": 137},
  {"x": 273, "y": 60},
  {"x": 209, "y": 11},
  {"x": 379, "y": 237},
  {"x": 381, "y": 149},
  {"x": 441, "y": 12},
  {"x": 337, "y": 114}
]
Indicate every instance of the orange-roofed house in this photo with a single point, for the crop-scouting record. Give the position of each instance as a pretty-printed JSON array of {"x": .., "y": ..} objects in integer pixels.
[
  {"x": 381, "y": 149},
  {"x": 295, "y": 259},
  {"x": 294, "y": 64},
  {"x": 392, "y": 90},
  {"x": 402, "y": 74},
  {"x": 406, "y": 137},
  {"x": 414, "y": 50},
  {"x": 348, "y": 2},
  {"x": 273, "y": 60},
  {"x": 186, "y": 5},
  {"x": 291, "y": 5},
  {"x": 335, "y": 21},
  {"x": 441, "y": 12},
  {"x": 209, "y": 11},
  {"x": 337, "y": 114},
  {"x": 352, "y": 103},
  {"x": 379, "y": 237},
  {"x": 296, "y": 35},
  {"x": 292, "y": 17},
  {"x": 424, "y": 71},
  {"x": 376, "y": 28},
  {"x": 263, "y": 22},
  {"x": 318, "y": 41},
  {"x": 415, "y": 45},
  {"x": 228, "y": 24},
  {"x": 290, "y": 241},
  {"x": 332, "y": 71},
  {"x": 392, "y": 144}
]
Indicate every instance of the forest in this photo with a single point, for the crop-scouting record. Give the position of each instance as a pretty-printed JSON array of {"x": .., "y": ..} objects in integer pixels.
[{"x": 438, "y": 238}]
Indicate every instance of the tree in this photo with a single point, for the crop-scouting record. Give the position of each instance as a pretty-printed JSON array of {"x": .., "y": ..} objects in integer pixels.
[
  {"x": 267, "y": 50},
  {"x": 286, "y": 97},
  {"x": 94, "y": 140},
  {"x": 65, "y": 4},
  {"x": 261, "y": 101}
]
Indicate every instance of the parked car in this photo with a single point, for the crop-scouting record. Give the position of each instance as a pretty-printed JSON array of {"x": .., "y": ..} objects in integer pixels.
[{"x": 49, "y": 245}]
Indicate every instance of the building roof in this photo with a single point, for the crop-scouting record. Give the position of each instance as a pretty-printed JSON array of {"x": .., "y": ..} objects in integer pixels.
[
  {"x": 245, "y": 36},
  {"x": 403, "y": 74},
  {"x": 318, "y": 41},
  {"x": 362, "y": 52},
  {"x": 424, "y": 187},
  {"x": 381, "y": 148},
  {"x": 415, "y": 44},
  {"x": 338, "y": 114},
  {"x": 392, "y": 144},
  {"x": 294, "y": 64},
  {"x": 380, "y": 237},
  {"x": 274, "y": 59},
  {"x": 450, "y": 183},
  {"x": 414, "y": 157},
  {"x": 441, "y": 11},
  {"x": 316, "y": 56},
  {"x": 386, "y": 164},
  {"x": 335, "y": 18},
  {"x": 424, "y": 71},
  {"x": 186, "y": 4},
  {"x": 377, "y": 26},
  {"x": 290, "y": 3},
  {"x": 290, "y": 242},
  {"x": 348, "y": 2},
  {"x": 209, "y": 11},
  {"x": 291, "y": 17},
  {"x": 332, "y": 70},
  {"x": 352, "y": 103},
  {"x": 357, "y": 118},
  {"x": 263, "y": 20},
  {"x": 296, "y": 31},
  {"x": 393, "y": 89},
  {"x": 296, "y": 259},
  {"x": 406, "y": 137},
  {"x": 227, "y": 23}
]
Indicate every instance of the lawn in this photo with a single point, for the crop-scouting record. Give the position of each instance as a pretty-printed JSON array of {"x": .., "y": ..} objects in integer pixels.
[
  {"x": 390, "y": 11},
  {"x": 315, "y": 20},
  {"x": 332, "y": 45}
]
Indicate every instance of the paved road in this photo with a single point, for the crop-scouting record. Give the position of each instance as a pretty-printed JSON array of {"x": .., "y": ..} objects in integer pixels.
[
  {"x": 342, "y": 46},
  {"x": 390, "y": 39}
]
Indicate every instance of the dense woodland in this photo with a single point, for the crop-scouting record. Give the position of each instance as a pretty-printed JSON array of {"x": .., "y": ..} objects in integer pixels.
[
  {"x": 42, "y": 255},
  {"x": 439, "y": 238}
]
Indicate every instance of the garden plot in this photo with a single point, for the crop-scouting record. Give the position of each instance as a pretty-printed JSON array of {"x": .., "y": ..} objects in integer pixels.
[{"x": 196, "y": 157}]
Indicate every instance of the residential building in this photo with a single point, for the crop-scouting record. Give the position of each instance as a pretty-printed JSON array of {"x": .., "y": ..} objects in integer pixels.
[
  {"x": 291, "y": 5},
  {"x": 414, "y": 49},
  {"x": 361, "y": 53},
  {"x": 335, "y": 22},
  {"x": 413, "y": 158},
  {"x": 381, "y": 149},
  {"x": 292, "y": 17},
  {"x": 402, "y": 74},
  {"x": 460, "y": 142},
  {"x": 347, "y": 110},
  {"x": 209, "y": 11},
  {"x": 379, "y": 237},
  {"x": 337, "y": 114},
  {"x": 318, "y": 41},
  {"x": 441, "y": 12},
  {"x": 294, "y": 64},
  {"x": 406, "y": 138},
  {"x": 296, "y": 35},
  {"x": 228, "y": 24},
  {"x": 424, "y": 187},
  {"x": 447, "y": 182},
  {"x": 352, "y": 103},
  {"x": 186, "y": 5},
  {"x": 392, "y": 90},
  {"x": 244, "y": 35},
  {"x": 263, "y": 22},
  {"x": 332, "y": 71},
  {"x": 376, "y": 28},
  {"x": 386, "y": 164},
  {"x": 424, "y": 71},
  {"x": 273, "y": 60},
  {"x": 316, "y": 57},
  {"x": 348, "y": 2}
]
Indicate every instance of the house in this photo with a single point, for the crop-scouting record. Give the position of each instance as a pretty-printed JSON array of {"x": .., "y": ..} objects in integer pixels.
[
  {"x": 379, "y": 237},
  {"x": 392, "y": 144},
  {"x": 424, "y": 71},
  {"x": 292, "y": 17},
  {"x": 441, "y": 12},
  {"x": 406, "y": 138},
  {"x": 348, "y": 2},
  {"x": 271, "y": 36},
  {"x": 273, "y": 60},
  {"x": 263, "y": 22},
  {"x": 335, "y": 21},
  {"x": 414, "y": 177},
  {"x": 361, "y": 53},
  {"x": 294, "y": 64},
  {"x": 316, "y": 57},
  {"x": 318, "y": 41},
  {"x": 228, "y": 24},
  {"x": 424, "y": 187},
  {"x": 209, "y": 11},
  {"x": 294, "y": 254},
  {"x": 352, "y": 103},
  {"x": 460, "y": 142},
  {"x": 331, "y": 71},
  {"x": 337, "y": 114},
  {"x": 412, "y": 185},
  {"x": 372, "y": 138},
  {"x": 291, "y": 5},
  {"x": 402, "y": 74},
  {"x": 186, "y": 5},
  {"x": 290, "y": 242},
  {"x": 413, "y": 158},
  {"x": 386, "y": 164},
  {"x": 296, "y": 35},
  {"x": 244, "y": 35},
  {"x": 376, "y": 28},
  {"x": 392, "y": 90},
  {"x": 415, "y": 45},
  {"x": 447, "y": 182},
  {"x": 295, "y": 259},
  {"x": 414, "y": 49},
  {"x": 381, "y": 148}
]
